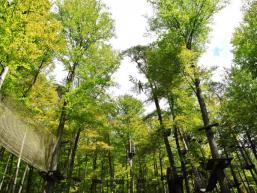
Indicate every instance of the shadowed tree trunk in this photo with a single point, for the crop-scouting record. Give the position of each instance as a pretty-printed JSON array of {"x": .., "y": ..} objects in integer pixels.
[
  {"x": 161, "y": 170},
  {"x": 111, "y": 165},
  {"x": 6, "y": 170},
  {"x": 111, "y": 170},
  {"x": 174, "y": 186},
  {"x": 29, "y": 180},
  {"x": 210, "y": 135},
  {"x": 72, "y": 159},
  {"x": 49, "y": 184},
  {"x": 2, "y": 150},
  {"x": 245, "y": 182},
  {"x": 252, "y": 144},
  {"x": 23, "y": 179},
  {"x": 94, "y": 179},
  {"x": 176, "y": 135}
]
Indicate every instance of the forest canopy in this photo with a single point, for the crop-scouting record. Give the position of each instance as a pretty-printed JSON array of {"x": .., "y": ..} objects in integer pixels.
[{"x": 76, "y": 136}]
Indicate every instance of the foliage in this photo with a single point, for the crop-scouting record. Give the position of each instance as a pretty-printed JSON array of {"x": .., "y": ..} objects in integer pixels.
[{"x": 244, "y": 40}]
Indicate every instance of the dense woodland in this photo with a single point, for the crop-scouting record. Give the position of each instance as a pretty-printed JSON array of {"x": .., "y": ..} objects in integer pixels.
[{"x": 201, "y": 137}]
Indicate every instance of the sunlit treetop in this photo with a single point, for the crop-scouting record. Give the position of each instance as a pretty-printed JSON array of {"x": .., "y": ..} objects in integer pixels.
[
  {"x": 186, "y": 21},
  {"x": 245, "y": 40}
]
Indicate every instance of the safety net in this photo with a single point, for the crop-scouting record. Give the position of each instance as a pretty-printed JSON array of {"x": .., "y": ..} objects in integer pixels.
[{"x": 35, "y": 146}]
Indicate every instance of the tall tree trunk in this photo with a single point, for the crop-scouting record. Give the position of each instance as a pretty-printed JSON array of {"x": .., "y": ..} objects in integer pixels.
[
  {"x": 165, "y": 137},
  {"x": 94, "y": 184},
  {"x": 131, "y": 186},
  {"x": 29, "y": 180},
  {"x": 210, "y": 135},
  {"x": 252, "y": 144},
  {"x": 111, "y": 170},
  {"x": 19, "y": 162},
  {"x": 173, "y": 178},
  {"x": 49, "y": 183},
  {"x": 9, "y": 174},
  {"x": 23, "y": 179},
  {"x": 7, "y": 168},
  {"x": 161, "y": 168},
  {"x": 182, "y": 160},
  {"x": 176, "y": 135},
  {"x": 111, "y": 165},
  {"x": 236, "y": 182},
  {"x": 2, "y": 150},
  {"x": 102, "y": 175},
  {"x": 245, "y": 156},
  {"x": 248, "y": 161},
  {"x": 67, "y": 160},
  {"x": 156, "y": 173},
  {"x": 196, "y": 176},
  {"x": 245, "y": 182},
  {"x": 72, "y": 159}
]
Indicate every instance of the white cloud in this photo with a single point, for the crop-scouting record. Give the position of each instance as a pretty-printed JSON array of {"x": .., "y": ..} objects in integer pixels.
[
  {"x": 130, "y": 22},
  {"x": 130, "y": 27}
]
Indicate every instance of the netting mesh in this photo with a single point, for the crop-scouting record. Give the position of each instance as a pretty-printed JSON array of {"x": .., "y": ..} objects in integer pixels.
[{"x": 21, "y": 138}]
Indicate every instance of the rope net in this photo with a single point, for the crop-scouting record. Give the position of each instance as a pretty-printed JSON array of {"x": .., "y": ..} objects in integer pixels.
[{"x": 25, "y": 140}]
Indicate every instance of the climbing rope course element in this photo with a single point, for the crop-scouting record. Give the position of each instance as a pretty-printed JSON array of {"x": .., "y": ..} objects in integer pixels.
[{"x": 32, "y": 145}]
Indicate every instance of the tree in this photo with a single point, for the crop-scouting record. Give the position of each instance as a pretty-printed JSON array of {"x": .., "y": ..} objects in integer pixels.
[
  {"x": 26, "y": 38},
  {"x": 85, "y": 24},
  {"x": 187, "y": 21},
  {"x": 244, "y": 40}
]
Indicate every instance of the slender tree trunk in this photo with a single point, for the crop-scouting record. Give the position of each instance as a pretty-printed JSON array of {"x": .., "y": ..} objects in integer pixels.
[
  {"x": 49, "y": 184},
  {"x": 176, "y": 135},
  {"x": 174, "y": 186},
  {"x": 111, "y": 165},
  {"x": 236, "y": 182},
  {"x": 67, "y": 161},
  {"x": 210, "y": 136},
  {"x": 23, "y": 179},
  {"x": 205, "y": 117},
  {"x": 111, "y": 170},
  {"x": 19, "y": 162},
  {"x": 182, "y": 160},
  {"x": 72, "y": 160},
  {"x": 2, "y": 150},
  {"x": 84, "y": 175},
  {"x": 246, "y": 182},
  {"x": 156, "y": 173},
  {"x": 131, "y": 187},
  {"x": 102, "y": 175},
  {"x": 245, "y": 156},
  {"x": 29, "y": 180},
  {"x": 253, "y": 146},
  {"x": 197, "y": 179},
  {"x": 248, "y": 161},
  {"x": 93, "y": 184},
  {"x": 161, "y": 168},
  {"x": 172, "y": 176},
  {"x": 10, "y": 158},
  {"x": 9, "y": 175},
  {"x": 165, "y": 137}
]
